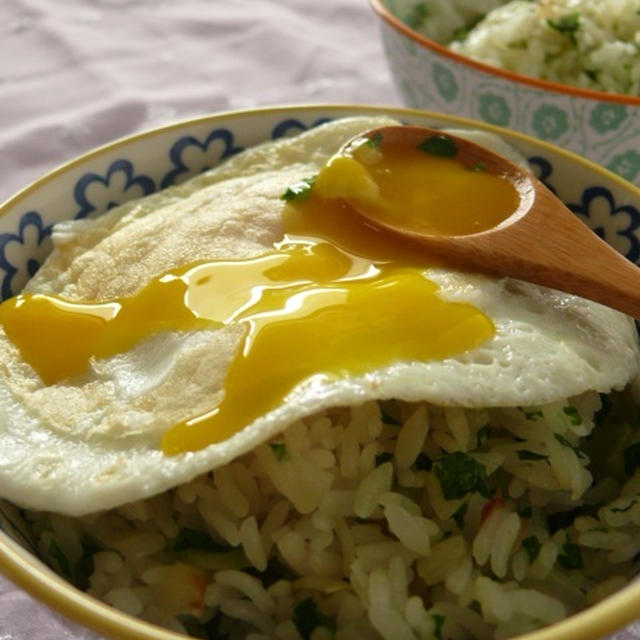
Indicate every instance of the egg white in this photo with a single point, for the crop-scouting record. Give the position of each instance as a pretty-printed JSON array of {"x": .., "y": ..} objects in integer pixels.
[{"x": 93, "y": 443}]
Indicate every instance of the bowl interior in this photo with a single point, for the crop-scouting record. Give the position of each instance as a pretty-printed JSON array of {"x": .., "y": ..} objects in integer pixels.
[{"x": 142, "y": 164}]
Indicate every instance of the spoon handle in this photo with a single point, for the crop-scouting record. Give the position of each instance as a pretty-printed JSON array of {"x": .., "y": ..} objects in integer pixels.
[{"x": 550, "y": 247}]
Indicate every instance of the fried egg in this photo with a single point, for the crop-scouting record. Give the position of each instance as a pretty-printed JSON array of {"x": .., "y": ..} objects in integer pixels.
[{"x": 213, "y": 284}]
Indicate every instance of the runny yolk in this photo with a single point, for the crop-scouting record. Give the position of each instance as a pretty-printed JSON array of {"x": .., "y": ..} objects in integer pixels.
[
  {"x": 414, "y": 189},
  {"x": 334, "y": 298}
]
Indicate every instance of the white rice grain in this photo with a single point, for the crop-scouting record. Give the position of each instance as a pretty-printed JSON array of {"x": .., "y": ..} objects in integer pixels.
[{"x": 367, "y": 494}]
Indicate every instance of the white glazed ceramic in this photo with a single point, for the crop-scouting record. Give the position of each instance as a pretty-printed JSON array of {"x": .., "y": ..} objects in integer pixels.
[
  {"x": 147, "y": 162},
  {"x": 600, "y": 126}
]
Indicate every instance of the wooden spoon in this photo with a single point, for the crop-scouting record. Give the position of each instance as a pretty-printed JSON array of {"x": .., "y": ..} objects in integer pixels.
[{"x": 541, "y": 242}]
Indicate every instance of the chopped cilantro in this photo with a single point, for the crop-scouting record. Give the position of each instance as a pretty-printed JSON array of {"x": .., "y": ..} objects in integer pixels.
[
  {"x": 458, "y": 516},
  {"x": 85, "y": 566},
  {"x": 483, "y": 435},
  {"x": 423, "y": 462},
  {"x": 383, "y": 457},
  {"x": 571, "y": 557},
  {"x": 532, "y": 546},
  {"x": 390, "y": 420},
  {"x": 299, "y": 191},
  {"x": 563, "y": 519},
  {"x": 573, "y": 414},
  {"x": 418, "y": 15},
  {"x": 523, "y": 454},
  {"x": 526, "y": 512},
  {"x": 604, "y": 410},
  {"x": 440, "y": 145},
  {"x": 197, "y": 629},
  {"x": 306, "y": 618},
  {"x": 196, "y": 539},
  {"x": 625, "y": 509},
  {"x": 592, "y": 74},
  {"x": 632, "y": 458},
  {"x": 567, "y": 25},
  {"x": 479, "y": 166},
  {"x": 62, "y": 561},
  {"x": 460, "y": 474},
  {"x": 563, "y": 441},
  {"x": 279, "y": 450},
  {"x": 439, "y": 621},
  {"x": 463, "y": 32},
  {"x": 375, "y": 140},
  {"x": 274, "y": 571}
]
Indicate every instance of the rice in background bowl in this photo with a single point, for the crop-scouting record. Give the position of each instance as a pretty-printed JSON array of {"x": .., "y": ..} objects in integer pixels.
[
  {"x": 139, "y": 514},
  {"x": 462, "y": 78}
]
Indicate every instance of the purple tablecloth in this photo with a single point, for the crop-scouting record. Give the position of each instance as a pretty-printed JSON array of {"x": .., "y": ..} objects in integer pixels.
[{"x": 78, "y": 73}]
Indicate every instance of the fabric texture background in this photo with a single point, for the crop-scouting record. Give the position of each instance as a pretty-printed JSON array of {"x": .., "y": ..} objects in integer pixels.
[{"x": 75, "y": 74}]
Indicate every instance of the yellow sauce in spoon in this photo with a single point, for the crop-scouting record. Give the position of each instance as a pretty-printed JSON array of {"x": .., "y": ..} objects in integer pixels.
[{"x": 335, "y": 298}]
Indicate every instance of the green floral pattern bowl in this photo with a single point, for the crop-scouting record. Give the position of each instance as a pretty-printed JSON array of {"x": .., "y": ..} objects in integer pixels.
[{"x": 602, "y": 127}]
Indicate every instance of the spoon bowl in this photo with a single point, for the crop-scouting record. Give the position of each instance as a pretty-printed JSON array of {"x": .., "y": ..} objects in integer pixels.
[{"x": 540, "y": 241}]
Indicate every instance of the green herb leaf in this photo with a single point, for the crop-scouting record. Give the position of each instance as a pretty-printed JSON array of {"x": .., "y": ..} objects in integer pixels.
[
  {"x": 605, "y": 409},
  {"x": 523, "y": 454},
  {"x": 306, "y": 618},
  {"x": 571, "y": 557},
  {"x": 460, "y": 474},
  {"x": 441, "y": 145},
  {"x": 375, "y": 140},
  {"x": 483, "y": 435},
  {"x": 532, "y": 546},
  {"x": 479, "y": 166},
  {"x": 567, "y": 25},
  {"x": 564, "y": 519},
  {"x": 62, "y": 561},
  {"x": 299, "y": 191},
  {"x": 423, "y": 462},
  {"x": 563, "y": 441},
  {"x": 592, "y": 74},
  {"x": 85, "y": 566},
  {"x": 625, "y": 509},
  {"x": 383, "y": 457},
  {"x": 526, "y": 512},
  {"x": 459, "y": 515},
  {"x": 532, "y": 414},
  {"x": 463, "y": 32},
  {"x": 279, "y": 450},
  {"x": 573, "y": 414},
  {"x": 418, "y": 15},
  {"x": 196, "y": 539},
  {"x": 439, "y": 620},
  {"x": 632, "y": 458},
  {"x": 389, "y": 419}
]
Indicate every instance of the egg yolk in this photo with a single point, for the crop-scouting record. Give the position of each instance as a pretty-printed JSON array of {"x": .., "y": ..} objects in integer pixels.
[{"x": 336, "y": 297}]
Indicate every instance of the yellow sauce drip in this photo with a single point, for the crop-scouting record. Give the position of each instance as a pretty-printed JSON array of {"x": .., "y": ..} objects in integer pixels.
[{"x": 335, "y": 297}]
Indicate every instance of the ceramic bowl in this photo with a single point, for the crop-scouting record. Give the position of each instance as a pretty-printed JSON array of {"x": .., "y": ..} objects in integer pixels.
[
  {"x": 601, "y": 126},
  {"x": 150, "y": 161}
]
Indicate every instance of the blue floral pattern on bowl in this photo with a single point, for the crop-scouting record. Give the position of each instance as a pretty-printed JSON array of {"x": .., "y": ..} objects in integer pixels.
[
  {"x": 32, "y": 234},
  {"x": 120, "y": 183},
  {"x": 191, "y": 156}
]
